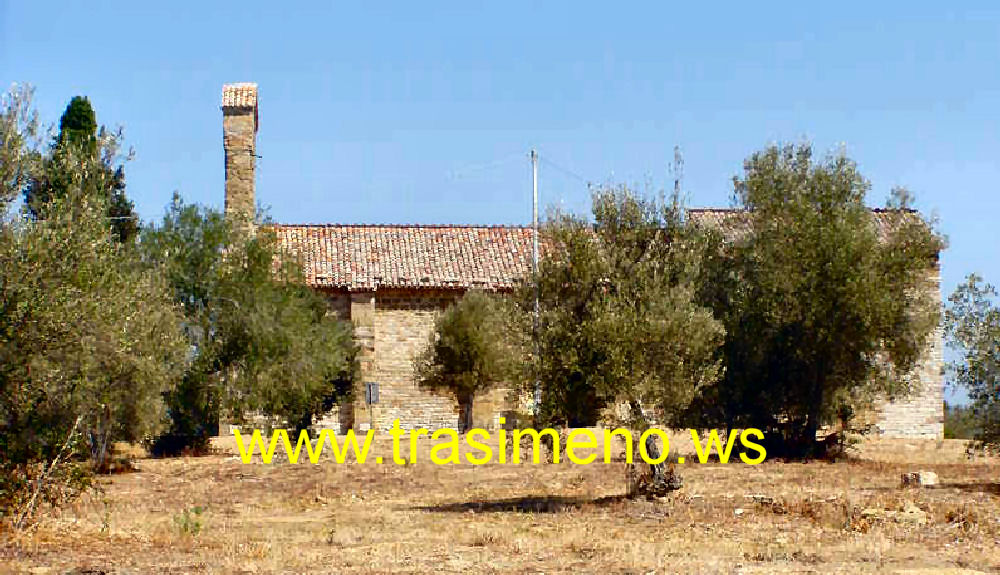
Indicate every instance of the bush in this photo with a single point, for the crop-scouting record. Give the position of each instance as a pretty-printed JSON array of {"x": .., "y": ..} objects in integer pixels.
[
  {"x": 261, "y": 341},
  {"x": 89, "y": 339}
]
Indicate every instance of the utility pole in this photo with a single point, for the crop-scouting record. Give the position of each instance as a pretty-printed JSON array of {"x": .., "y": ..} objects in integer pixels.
[
  {"x": 678, "y": 171},
  {"x": 534, "y": 217},
  {"x": 534, "y": 268}
]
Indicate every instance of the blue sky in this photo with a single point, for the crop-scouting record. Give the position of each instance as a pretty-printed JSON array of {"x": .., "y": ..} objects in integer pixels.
[{"x": 409, "y": 113}]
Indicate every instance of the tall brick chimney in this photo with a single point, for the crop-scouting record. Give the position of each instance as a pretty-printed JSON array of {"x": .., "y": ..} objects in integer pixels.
[{"x": 239, "y": 137}]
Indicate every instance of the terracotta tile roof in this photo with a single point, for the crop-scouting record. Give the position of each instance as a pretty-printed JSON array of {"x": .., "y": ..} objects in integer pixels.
[
  {"x": 368, "y": 257},
  {"x": 732, "y": 223},
  {"x": 240, "y": 95},
  {"x": 735, "y": 224}
]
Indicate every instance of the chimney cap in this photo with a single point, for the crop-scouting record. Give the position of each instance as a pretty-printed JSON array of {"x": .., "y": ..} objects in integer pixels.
[{"x": 239, "y": 95}]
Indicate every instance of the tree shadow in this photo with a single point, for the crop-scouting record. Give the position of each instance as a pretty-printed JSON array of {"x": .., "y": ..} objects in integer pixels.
[
  {"x": 988, "y": 487},
  {"x": 530, "y": 504}
]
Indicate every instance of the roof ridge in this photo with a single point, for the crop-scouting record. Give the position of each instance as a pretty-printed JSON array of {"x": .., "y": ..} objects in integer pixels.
[
  {"x": 876, "y": 210},
  {"x": 400, "y": 226},
  {"x": 505, "y": 226}
]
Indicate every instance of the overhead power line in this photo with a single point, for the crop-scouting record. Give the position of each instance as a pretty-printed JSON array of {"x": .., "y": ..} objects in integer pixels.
[
  {"x": 564, "y": 170},
  {"x": 474, "y": 168}
]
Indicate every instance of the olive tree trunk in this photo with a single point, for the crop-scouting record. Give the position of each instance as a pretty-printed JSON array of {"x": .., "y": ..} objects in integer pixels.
[
  {"x": 663, "y": 478},
  {"x": 466, "y": 409}
]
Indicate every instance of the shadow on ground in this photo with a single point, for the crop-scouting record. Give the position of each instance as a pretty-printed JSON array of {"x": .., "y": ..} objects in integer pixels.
[
  {"x": 535, "y": 504},
  {"x": 988, "y": 487}
]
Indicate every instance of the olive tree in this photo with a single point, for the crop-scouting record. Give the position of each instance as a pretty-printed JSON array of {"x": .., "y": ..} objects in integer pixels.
[
  {"x": 467, "y": 353},
  {"x": 90, "y": 339},
  {"x": 618, "y": 322},
  {"x": 262, "y": 341},
  {"x": 973, "y": 324},
  {"x": 19, "y": 129},
  {"x": 825, "y": 307}
]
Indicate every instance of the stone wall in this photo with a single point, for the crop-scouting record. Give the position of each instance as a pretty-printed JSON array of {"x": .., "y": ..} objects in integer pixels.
[
  {"x": 921, "y": 415},
  {"x": 404, "y": 321},
  {"x": 393, "y": 326},
  {"x": 239, "y": 131}
]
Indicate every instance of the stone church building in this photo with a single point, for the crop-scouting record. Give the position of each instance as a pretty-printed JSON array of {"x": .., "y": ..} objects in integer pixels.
[{"x": 390, "y": 281}]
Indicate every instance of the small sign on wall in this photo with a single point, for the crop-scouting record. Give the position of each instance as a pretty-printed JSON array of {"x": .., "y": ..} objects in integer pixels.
[{"x": 371, "y": 393}]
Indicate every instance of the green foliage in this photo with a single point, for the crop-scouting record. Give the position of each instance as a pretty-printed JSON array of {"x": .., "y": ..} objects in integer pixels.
[
  {"x": 973, "y": 325},
  {"x": 617, "y": 316},
  {"x": 18, "y": 141},
  {"x": 293, "y": 356},
  {"x": 85, "y": 331},
  {"x": 189, "y": 521},
  {"x": 101, "y": 175},
  {"x": 467, "y": 352},
  {"x": 961, "y": 422},
  {"x": 89, "y": 339},
  {"x": 821, "y": 314},
  {"x": 262, "y": 341},
  {"x": 78, "y": 124}
]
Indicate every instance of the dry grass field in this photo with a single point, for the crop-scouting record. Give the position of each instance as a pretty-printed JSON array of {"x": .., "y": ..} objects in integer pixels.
[{"x": 216, "y": 515}]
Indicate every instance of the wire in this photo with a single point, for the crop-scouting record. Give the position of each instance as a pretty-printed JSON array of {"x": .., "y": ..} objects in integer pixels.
[
  {"x": 565, "y": 171},
  {"x": 473, "y": 168}
]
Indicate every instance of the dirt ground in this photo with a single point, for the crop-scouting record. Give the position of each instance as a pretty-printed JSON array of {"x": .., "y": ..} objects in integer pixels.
[{"x": 216, "y": 515}]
